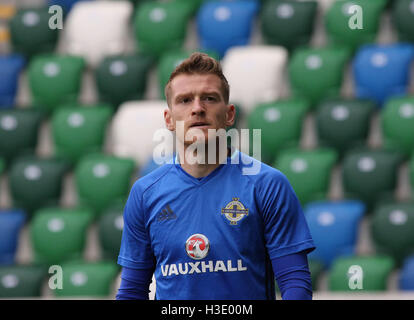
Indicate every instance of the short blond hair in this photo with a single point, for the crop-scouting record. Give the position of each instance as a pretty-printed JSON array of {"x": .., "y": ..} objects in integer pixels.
[{"x": 199, "y": 63}]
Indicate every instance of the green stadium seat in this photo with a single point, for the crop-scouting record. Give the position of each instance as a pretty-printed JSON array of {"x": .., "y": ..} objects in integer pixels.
[
  {"x": 316, "y": 269},
  {"x": 281, "y": 125},
  {"x": 370, "y": 175},
  {"x": 21, "y": 281},
  {"x": 59, "y": 234},
  {"x": 288, "y": 23},
  {"x": 308, "y": 171},
  {"x": 102, "y": 180},
  {"x": 78, "y": 130},
  {"x": 397, "y": 124},
  {"x": 110, "y": 226},
  {"x": 392, "y": 228},
  {"x": 122, "y": 78},
  {"x": 360, "y": 273},
  {"x": 54, "y": 80},
  {"x": 36, "y": 182},
  {"x": 19, "y": 130},
  {"x": 30, "y": 33},
  {"x": 402, "y": 14},
  {"x": 169, "y": 61},
  {"x": 87, "y": 279},
  {"x": 325, "y": 64},
  {"x": 343, "y": 123},
  {"x": 337, "y": 20},
  {"x": 160, "y": 26}
]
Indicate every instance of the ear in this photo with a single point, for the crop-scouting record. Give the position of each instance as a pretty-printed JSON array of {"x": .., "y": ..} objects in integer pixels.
[
  {"x": 230, "y": 115},
  {"x": 169, "y": 121}
]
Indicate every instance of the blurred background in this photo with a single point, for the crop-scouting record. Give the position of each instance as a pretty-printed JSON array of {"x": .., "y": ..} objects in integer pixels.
[{"x": 330, "y": 88}]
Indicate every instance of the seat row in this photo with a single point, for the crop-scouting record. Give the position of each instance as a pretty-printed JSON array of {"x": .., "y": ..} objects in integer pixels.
[
  {"x": 162, "y": 25},
  {"x": 256, "y": 75}
]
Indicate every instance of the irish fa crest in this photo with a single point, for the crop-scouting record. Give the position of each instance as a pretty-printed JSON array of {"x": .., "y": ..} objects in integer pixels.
[{"x": 234, "y": 211}]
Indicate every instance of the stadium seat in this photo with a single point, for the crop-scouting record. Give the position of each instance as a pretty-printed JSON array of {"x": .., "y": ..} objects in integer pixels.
[
  {"x": 221, "y": 24},
  {"x": 370, "y": 175},
  {"x": 101, "y": 180},
  {"x": 343, "y": 123},
  {"x": 397, "y": 124},
  {"x": 105, "y": 34},
  {"x": 11, "y": 222},
  {"x": 138, "y": 119},
  {"x": 79, "y": 129},
  {"x": 59, "y": 234},
  {"x": 308, "y": 171},
  {"x": 19, "y": 130},
  {"x": 10, "y": 66},
  {"x": 382, "y": 71},
  {"x": 88, "y": 279},
  {"x": 288, "y": 23},
  {"x": 54, "y": 80},
  {"x": 169, "y": 61},
  {"x": 339, "y": 18},
  {"x": 316, "y": 269},
  {"x": 392, "y": 228},
  {"x": 36, "y": 182},
  {"x": 337, "y": 221},
  {"x": 406, "y": 276},
  {"x": 66, "y": 5},
  {"x": 281, "y": 124},
  {"x": 403, "y": 20},
  {"x": 21, "y": 281},
  {"x": 2, "y": 165},
  {"x": 360, "y": 273},
  {"x": 110, "y": 226},
  {"x": 122, "y": 78},
  {"x": 255, "y": 74},
  {"x": 325, "y": 64},
  {"x": 30, "y": 32},
  {"x": 161, "y": 26}
]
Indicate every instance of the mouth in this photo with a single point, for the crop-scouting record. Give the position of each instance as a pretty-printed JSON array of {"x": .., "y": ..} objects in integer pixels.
[{"x": 199, "y": 124}]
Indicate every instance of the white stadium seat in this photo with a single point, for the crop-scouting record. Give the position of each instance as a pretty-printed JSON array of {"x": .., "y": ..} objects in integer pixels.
[
  {"x": 133, "y": 128},
  {"x": 255, "y": 74},
  {"x": 95, "y": 29}
]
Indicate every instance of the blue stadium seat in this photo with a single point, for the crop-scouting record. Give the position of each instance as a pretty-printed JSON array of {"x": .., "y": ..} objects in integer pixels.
[
  {"x": 10, "y": 66},
  {"x": 11, "y": 221},
  {"x": 382, "y": 71},
  {"x": 223, "y": 24},
  {"x": 406, "y": 279},
  {"x": 334, "y": 227},
  {"x": 65, "y": 4}
]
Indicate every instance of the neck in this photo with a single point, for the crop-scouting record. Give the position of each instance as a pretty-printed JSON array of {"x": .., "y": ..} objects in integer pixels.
[{"x": 198, "y": 163}]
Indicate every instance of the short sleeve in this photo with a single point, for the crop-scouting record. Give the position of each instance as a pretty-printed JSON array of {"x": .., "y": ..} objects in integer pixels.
[
  {"x": 285, "y": 227},
  {"x": 135, "y": 249}
]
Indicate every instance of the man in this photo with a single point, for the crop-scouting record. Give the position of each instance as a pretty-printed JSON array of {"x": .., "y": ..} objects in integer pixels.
[{"x": 204, "y": 228}]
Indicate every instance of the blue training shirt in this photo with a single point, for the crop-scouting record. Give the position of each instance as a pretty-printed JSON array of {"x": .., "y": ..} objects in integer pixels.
[{"x": 213, "y": 238}]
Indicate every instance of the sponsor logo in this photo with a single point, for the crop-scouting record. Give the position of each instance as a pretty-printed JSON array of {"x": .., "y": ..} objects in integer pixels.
[
  {"x": 176, "y": 269},
  {"x": 234, "y": 211},
  {"x": 197, "y": 246}
]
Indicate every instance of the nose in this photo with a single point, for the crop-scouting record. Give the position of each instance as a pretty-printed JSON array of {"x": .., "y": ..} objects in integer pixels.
[{"x": 198, "y": 107}]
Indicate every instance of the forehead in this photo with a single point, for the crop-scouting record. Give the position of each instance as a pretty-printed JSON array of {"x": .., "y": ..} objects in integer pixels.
[{"x": 195, "y": 83}]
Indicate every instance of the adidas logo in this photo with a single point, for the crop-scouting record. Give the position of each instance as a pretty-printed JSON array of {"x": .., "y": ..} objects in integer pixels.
[{"x": 166, "y": 214}]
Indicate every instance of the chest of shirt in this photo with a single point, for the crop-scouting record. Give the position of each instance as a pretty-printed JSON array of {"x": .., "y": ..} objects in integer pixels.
[{"x": 195, "y": 222}]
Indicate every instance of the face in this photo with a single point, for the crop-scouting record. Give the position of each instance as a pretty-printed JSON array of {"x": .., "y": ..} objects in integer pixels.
[{"x": 198, "y": 102}]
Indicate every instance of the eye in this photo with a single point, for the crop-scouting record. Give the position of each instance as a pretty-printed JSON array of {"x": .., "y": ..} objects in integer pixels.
[
  {"x": 210, "y": 98},
  {"x": 185, "y": 100}
]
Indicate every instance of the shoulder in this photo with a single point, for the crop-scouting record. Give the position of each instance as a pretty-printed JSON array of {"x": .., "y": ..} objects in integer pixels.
[
  {"x": 146, "y": 182},
  {"x": 258, "y": 172}
]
